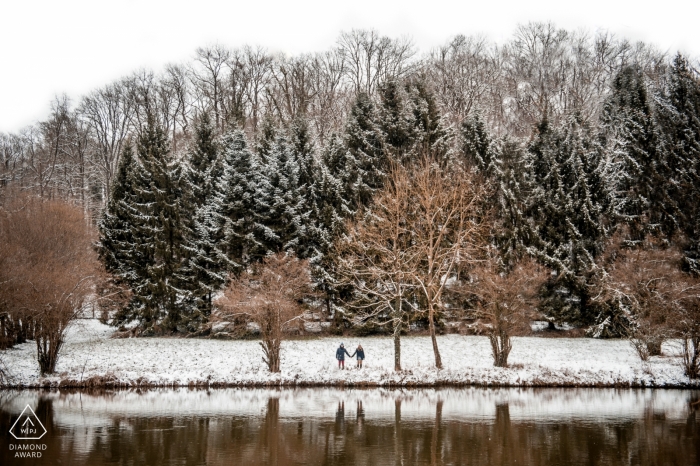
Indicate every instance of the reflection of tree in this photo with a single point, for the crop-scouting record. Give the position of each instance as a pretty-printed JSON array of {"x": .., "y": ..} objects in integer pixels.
[
  {"x": 502, "y": 435},
  {"x": 436, "y": 433},
  {"x": 340, "y": 419},
  {"x": 435, "y": 438},
  {"x": 270, "y": 435},
  {"x": 398, "y": 450},
  {"x": 360, "y": 416}
]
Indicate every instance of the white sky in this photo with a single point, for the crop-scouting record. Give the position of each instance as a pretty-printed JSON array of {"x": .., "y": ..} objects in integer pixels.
[{"x": 48, "y": 47}]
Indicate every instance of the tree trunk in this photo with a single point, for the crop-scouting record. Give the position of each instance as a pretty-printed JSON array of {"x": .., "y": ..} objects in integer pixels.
[
  {"x": 500, "y": 345},
  {"x": 431, "y": 324},
  {"x": 397, "y": 346}
]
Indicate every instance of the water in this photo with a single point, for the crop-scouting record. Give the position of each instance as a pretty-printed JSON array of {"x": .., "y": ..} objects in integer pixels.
[{"x": 465, "y": 426}]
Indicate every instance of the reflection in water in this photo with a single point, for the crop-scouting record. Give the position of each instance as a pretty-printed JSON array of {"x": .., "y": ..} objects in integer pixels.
[{"x": 360, "y": 427}]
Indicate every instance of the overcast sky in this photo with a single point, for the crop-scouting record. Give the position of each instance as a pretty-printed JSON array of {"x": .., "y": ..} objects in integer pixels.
[{"x": 48, "y": 47}]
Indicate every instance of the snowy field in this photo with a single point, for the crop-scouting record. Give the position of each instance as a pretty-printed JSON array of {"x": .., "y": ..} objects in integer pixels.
[{"x": 90, "y": 357}]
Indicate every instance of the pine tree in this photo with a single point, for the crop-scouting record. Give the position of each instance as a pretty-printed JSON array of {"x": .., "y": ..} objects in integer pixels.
[
  {"x": 238, "y": 202},
  {"x": 679, "y": 117},
  {"x": 280, "y": 209},
  {"x": 205, "y": 266},
  {"x": 158, "y": 199},
  {"x": 570, "y": 198},
  {"x": 363, "y": 139},
  {"x": 631, "y": 131}
]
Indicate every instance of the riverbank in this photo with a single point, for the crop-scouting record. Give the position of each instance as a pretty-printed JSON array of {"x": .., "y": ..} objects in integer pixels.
[{"x": 90, "y": 358}]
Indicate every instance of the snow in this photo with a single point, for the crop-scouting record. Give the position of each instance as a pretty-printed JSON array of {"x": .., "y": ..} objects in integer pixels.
[{"x": 91, "y": 357}]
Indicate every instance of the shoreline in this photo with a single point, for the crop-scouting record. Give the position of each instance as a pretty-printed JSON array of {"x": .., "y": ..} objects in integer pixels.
[
  {"x": 122, "y": 385},
  {"x": 91, "y": 358}
]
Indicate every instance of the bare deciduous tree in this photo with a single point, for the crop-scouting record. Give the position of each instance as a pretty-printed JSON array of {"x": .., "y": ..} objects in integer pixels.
[
  {"x": 661, "y": 300},
  {"x": 270, "y": 295},
  {"x": 447, "y": 221},
  {"x": 371, "y": 59},
  {"x": 425, "y": 223},
  {"x": 108, "y": 112},
  {"x": 506, "y": 300},
  {"x": 372, "y": 258},
  {"x": 47, "y": 267}
]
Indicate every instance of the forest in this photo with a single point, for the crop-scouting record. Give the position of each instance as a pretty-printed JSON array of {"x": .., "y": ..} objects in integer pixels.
[{"x": 553, "y": 177}]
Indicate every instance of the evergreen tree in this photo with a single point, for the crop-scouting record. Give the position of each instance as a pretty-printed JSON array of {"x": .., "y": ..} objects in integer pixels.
[
  {"x": 363, "y": 139},
  {"x": 631, "y": 130},
  {"x": 569, "y": 200},
  {"x": 334, "y": 196},
  {"x": 266, "y": 138},
  {"x": 429, "y": 133},
  {"x": 397, "y": 122},
  {"x": 237, "y": 203},
  {"x": 160, "y": 231},
  {"x": 115, "y": 227},
  {"x": 205, "y": 266},
  {"x": 200, "y": 173},
  {"x": 477, "y": 146},
  {"x": 679, "y": 117},
  {"x": 280, "y": 209},
  {"x": 309, "y": 178}
]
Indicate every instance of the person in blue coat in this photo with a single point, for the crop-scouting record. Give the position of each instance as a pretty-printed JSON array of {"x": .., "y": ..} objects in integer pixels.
[
  {"x": 340, "y": 356},
  {"x": 360, "y": 353}
]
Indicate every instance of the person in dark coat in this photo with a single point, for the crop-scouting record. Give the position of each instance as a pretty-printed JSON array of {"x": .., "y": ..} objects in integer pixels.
[
  {"x": 360, "y": 353},
  {"x": 340, "y": 356}
]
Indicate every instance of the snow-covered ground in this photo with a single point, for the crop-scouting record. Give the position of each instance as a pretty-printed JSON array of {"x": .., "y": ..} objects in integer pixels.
[{"x": 91, "y": 357}]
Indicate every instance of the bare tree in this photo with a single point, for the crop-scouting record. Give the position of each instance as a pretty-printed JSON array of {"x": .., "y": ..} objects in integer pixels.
[
  {"x": 506, "y": 300},
  {"x": 108, "y": 113},
  {"x": 328, "y": 109},
  {"x": 463, "y": 73},
  {"x": 175, "y": 85},
  {"x": 372, "y": 258},
  {"x": 208, "y": 74},
  {"x": 257, "y": 68},
  {"x": 371, "y": 59},
  {"x": 292, "y": 88},
  {"x": 270, "y": 295},
  {"x": 48, "y": 263},
  {"x": 660, "y": 299},
  {"x": 10, "y": 159},
  {"x": 447, "y": 219}
]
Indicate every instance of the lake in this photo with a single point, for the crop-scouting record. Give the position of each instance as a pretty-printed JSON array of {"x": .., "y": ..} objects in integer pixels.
[{"x": 330, "y": 426}]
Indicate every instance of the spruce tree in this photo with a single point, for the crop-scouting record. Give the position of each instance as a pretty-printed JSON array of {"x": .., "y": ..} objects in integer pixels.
[
  {"x": 632, "y": 133},
  {"x": 679, "y": 117},
  {"x": 429, "y": 133},
  {"x": 477, "y": 147},
  {"x": 238, "y": 203},
  {"x": 115, "y": 227},
  {"x": 309, "y": 177},
  {"x": 120, "y": 244},
  {"x": 567, "y": 207},
  {"x": 397, "y": 121},
  {"x": 205, "y": 266},
  {"x": 158, "y": 199},
  {"x": 363, "y": 139},
  {"x": 280, "y": 209}
]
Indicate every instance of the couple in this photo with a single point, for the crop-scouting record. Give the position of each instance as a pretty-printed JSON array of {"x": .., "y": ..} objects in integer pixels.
[{"x": 341, "y": 352}]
